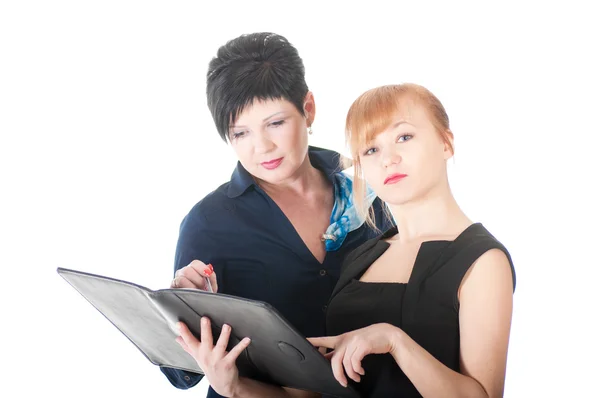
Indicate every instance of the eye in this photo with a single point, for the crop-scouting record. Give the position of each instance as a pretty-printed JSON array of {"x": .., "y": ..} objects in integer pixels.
[
  {"x": 405, "y": 137},
  {"x": 369, "y": 151},
  {"x": 237, "y": 135},
  {"x": 277, "y": 123}
]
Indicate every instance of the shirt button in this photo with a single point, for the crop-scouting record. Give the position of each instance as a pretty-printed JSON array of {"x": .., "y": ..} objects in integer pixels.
[
  {"x": 324, "y": 308},
  {"x": 322, "y": 272},
  {"x": 186, "y": 378}
]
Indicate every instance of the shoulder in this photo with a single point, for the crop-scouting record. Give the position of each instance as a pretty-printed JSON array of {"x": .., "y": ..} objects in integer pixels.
[
  {"x": 214, "y": 199},
  {"x": 212, "y": 203},
  {"x": 492, "y": 263}
]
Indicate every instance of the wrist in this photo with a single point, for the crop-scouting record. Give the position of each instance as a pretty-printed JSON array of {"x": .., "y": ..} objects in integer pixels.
[
  {"x": 397, "y": 339},
  {"x": 238, "y": 388}
]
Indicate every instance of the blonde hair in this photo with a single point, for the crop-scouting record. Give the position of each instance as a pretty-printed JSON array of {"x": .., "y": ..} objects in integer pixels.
[{"x": 373, "y": 112}]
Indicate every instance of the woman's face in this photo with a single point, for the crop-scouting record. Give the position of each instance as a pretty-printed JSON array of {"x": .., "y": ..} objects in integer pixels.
[
  {"x": 270, "y": 138},
  {"x": 407, "y": 160}
]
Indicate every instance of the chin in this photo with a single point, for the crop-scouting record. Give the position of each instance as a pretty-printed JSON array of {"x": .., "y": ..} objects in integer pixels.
[
  {"x": 397, "y": 199},
  {"x": 273, "y": 176}
]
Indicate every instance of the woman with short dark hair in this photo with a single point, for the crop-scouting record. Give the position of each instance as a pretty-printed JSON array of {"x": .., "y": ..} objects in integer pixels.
[{"x": 280, "y": 228}]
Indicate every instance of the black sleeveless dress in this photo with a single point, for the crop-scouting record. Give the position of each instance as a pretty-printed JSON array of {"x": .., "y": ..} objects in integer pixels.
[{"x": 426, "y": 307}]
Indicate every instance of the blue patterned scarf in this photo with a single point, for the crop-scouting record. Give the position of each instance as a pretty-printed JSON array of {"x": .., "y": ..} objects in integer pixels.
[{"x": 344, "y": 217}]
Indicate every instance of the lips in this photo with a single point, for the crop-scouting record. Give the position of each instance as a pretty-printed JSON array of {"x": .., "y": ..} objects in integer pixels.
[
  {"x": 394, "y": 178},
  {"x": 272, "y": 164}
]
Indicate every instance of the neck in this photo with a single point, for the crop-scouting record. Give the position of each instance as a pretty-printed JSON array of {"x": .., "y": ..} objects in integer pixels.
[
  {"x": 303, "y": 182},
  {"x": 434, "y": 214}
]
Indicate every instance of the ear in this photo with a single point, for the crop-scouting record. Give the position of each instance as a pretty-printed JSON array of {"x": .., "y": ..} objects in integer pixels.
[
  {"x": 449, "y": 148},
  {"x": 309, "y": 108}
]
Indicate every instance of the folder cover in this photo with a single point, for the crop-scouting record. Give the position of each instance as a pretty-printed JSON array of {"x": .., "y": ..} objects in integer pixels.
[{"x": 278, "y": 353}]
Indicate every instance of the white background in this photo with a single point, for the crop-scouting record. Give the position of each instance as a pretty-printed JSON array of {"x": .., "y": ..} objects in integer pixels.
[{"x": 106, "y": 143}]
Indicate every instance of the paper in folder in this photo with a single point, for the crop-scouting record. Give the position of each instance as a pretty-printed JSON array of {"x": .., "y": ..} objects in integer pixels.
[{"x": 278, "y": 354}]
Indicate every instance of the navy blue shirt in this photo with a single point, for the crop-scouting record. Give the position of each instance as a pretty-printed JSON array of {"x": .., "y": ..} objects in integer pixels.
[{"x": 257, "y": 253}]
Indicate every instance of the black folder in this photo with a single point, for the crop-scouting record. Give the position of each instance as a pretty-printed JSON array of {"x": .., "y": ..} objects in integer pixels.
[{"x": 278, "y": 353}]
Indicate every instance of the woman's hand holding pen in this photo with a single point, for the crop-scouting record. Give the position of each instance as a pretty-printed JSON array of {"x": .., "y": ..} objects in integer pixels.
[{"x": 196, "y": 275}]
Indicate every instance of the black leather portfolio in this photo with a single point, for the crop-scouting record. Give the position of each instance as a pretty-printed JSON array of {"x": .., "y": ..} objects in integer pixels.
[{"x": 278, "y": 353}]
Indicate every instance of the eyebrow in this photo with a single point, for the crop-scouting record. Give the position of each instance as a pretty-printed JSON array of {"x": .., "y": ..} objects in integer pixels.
[
  {"x": 399, "y": 123},
  {"x": 276, "y": 113},
  {"x": 264, "y": 120}
]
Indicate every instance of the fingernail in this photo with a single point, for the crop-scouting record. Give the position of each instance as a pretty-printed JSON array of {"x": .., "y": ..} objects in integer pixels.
[
  {"x": 208, "y": 272},
  {"x": 210, "y": 267},
  {"x": 204, "y": 320},
  {"x": 247, "y": 340}
]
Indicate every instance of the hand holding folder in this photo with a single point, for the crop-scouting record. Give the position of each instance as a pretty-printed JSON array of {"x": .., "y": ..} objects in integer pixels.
[
  {"x": 278, "y": 354},
  {"x": 213, "y": 356}
]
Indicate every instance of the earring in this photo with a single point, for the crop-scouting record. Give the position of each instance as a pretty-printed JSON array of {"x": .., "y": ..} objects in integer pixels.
[{"x": 309, "y": 129}]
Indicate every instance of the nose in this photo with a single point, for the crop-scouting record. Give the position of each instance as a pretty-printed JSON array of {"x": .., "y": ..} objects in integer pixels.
[
  {"x": 391, "y": 158},
  {"x": 263, "y": 143}
]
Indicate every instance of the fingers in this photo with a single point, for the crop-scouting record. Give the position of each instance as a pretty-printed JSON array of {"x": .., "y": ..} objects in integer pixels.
[
  {"x": 223, "y": 338},
  {"x": 338, "y": 368},
  {"x": 187, "y": 337},
  {"x": 204, "y": 271},
  {"x": 183, "y": 345},
  {"x": 205, "y": 332},
  {"x": 236, "y": 351},
  {"x": 346, "y": 357},
  {"x": 356, "y": 361},
  {"x": 327, "y": 342},
  {"x": 181, "y": 282},
  {"x": 200, "y": 267},
  {"x": 223, "y": 341},
  {"x": 192, "y": 276},
  {"x": 347, "y": 362}
]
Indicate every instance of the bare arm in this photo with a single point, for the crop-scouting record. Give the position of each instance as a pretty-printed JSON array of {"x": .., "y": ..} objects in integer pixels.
[{"x": 484, "y": 318}]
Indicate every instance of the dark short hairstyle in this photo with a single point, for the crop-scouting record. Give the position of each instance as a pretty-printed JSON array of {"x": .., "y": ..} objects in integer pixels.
[{"x": 254, "y": 66}]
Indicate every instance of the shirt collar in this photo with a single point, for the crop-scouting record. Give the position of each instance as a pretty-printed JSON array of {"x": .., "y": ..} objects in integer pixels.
[{"x": 323, "y": 159}]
